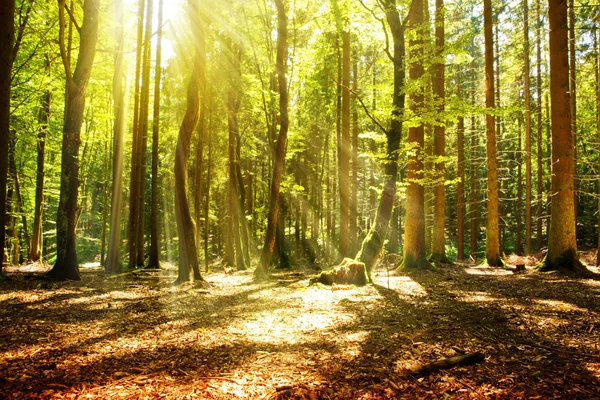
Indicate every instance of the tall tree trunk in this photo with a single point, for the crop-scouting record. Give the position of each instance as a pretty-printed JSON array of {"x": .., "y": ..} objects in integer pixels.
[
  {"x": 354, "y": 187},
  {"x": 597, "y": 73},
  {"x": 439, "y": 141},
  {"x": 562, "y": 243},
  {"x": 35, "y": 252},
  {"x": 143, "y": 136},
  {"x": 208, "y": 182},
  {"x": 492, "y": 243},
  {"x": 518, "y": 206},
  {"x": 135, "y": 147},
  {"x": 460, "y": 189},
  {"x": 154, "y": 259},
  {"x": 474, "y": 207},
  {"x": 66, "y": 266},
  {"x": 344, "y": 160},
  {"x": 573, "y": 97},
  {"x": 7, "y": 33},
  {"x": 188, "y": 257},
  {"x": 527, "y": 90},
  {"x": 113, "y": 264},
  {"x": 414, "y": 236},
  {"x": 280, "y": 146},
  {"x": 540, "y": 182},
  {"x": 373, "y": 243}
]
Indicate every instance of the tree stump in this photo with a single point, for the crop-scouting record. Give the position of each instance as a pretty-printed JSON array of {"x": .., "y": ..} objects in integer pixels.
[{"x": 349, "y": 272}]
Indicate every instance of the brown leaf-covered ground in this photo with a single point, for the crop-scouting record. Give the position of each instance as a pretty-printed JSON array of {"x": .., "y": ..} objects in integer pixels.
[{"x": 136, "y": 336}]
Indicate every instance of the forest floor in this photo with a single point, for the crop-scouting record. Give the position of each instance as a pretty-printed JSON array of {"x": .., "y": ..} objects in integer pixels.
[{"x": 135, "y": 335}]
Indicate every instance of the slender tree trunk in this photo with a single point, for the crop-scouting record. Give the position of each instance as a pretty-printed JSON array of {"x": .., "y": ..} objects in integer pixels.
[
  {"x": 280, "y": 146},
  {"x": 460, "y": 189},
  {"x": 354, "y": 195},
  {"x": 597, "y": 73},
  {"x": 135, "y": 149},
  {"x": 143, "y": 136},
  {"x": 35, "y": 253},
  {"x": 188, "y": 257},
  {"x": 66, "y": 266},
  {"x": 527, "y": 90},
  {"x": 7, "y": 33},
  {"x": 344, "y": 157},
  {"x": 154, "y": 259},
  {"x": 562, "y": 243},
  {"x": 439, "y": 141},
  {"x": 540, "y": 182},
  {"x": 373, "y": 243},
  {"x": 492, "y": 243},
  {"x": 518, "y": 210},
  {"x": 113, "y": 264},
  {"x": 414, "y": 236},
  {"x": 208, "y": 182},
  {"x": 474, "y": 207}
]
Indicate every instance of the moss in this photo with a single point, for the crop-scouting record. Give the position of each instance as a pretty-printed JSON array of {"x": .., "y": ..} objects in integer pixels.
[
  {"x": 349, "y": 272},
  {"x": 494, "y": 262},
  {"x": 568, "y": 261},
  {"x": 370, "y": 251}
]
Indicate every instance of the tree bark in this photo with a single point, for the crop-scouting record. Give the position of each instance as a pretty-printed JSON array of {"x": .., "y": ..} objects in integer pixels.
[
  {"x": 280, "y": 146},
  {"x": 135, "y": 146},
  {"x": 113, "y": 264},
  {"x": 439, "y": 141},
  {"x": 35, "y": 253},
  {"x": 7, "y": 33},
  {"x": 143, "y": 136},
  {"x": 460, "y": 189},
  {"x": 344, "y": 157},
  {"x": 188, "y": 256},
  {"x": 66, "y": 266},
  {"x": 492, "y": 243},
  {"x": 414, "y": 236},
  {"x": 154, "y": 259},
  {"x": 562, "y": 243},
  {"x": 373, "y": 243},
  {"x": 540, "y": 182},
  {"x": 355, "y": 167},
  {"x": 527, "y": 96}
]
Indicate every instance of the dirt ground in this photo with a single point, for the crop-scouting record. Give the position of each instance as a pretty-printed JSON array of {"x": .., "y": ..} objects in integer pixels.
[{"x": 136, "y": 336}]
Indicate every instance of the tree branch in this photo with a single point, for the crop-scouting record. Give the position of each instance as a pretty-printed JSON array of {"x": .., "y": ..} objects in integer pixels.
[
  {"x": 387, "y": 39},
  {"x": 61, "y": 41},
  {"x": 72, "y": 16},
  {"x": 364, "y": 106}
]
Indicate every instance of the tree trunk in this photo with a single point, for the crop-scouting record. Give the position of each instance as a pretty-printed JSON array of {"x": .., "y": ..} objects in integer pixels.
[
  {"x": 518, "y": 206},
  {"x": 597, "y": 73},
  {"x": 460, "y": 189},
  {"x": 344, "y": 156},
  {"x": 188, "y": 257},
  {"x": 66, "y": 266},
  {"x": 573, "y": 97},
  {"x": 474, "y": 207},
  {"x": 113, "y": 264},
  {"x": 280, "y": 146},
  {"x": 527, "y": 90},
  {"x": 135, "y": 145},
  {"x": 154, "y": 259},
  {"x": 208, "y": 182},
  {"x": 35, "y": 253},
  {"x": 373, "y": 243},
  {"x": 7, "y": 32},
  {"x": 439, "y": 141},
  {"x": 354, "y": 189},
  {"x": 143, "y": 136},
  {"x": 414, "y": 236},
  {"x": 540, "y": 189},
  {"x": 492, "y": 243},
  {"x": 562, "y": 243}
]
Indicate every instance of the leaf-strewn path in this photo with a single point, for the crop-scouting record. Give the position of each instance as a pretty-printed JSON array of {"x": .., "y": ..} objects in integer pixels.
[{"x": 136, "y": 336}]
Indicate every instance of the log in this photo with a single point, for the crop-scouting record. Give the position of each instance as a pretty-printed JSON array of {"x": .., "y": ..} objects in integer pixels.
[{"x": 461, "y": 360}]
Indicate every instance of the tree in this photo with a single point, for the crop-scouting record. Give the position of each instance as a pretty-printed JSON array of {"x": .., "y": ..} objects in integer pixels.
[
  {"x": 344, "y": 156},
  {"x": 7, "y": 32},
  {"x": 527, "y": 96},
  {"x": 439, "y": 141},
  {"x": 372, "y": 245},
  {"x": 188, "y": 254},
  {"x": 492, "y": 243},
  {"x": 66, "y": 266},
  {"x": 153, "y": 261},
  {"x": 280, "y": 146},
  {"x": 414, "y": 235},
  {"x": 113, "y": 264},
  {"x": 562, "y": 243}
]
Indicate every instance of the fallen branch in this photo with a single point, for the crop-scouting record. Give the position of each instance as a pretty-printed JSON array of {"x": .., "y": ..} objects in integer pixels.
[{"x": 462, "y": 360}]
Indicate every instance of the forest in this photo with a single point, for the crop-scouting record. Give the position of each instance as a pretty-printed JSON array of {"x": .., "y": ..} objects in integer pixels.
[{"x": 293, "y": 199}]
